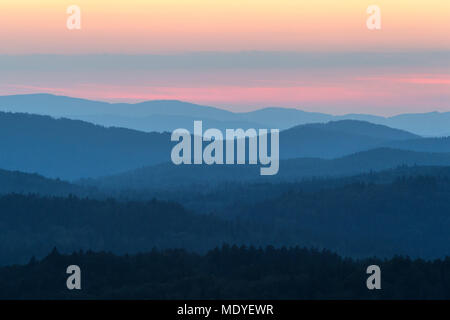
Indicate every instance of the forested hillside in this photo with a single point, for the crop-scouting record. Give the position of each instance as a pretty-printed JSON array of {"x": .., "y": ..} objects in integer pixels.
[
  {"x": 359, "y": 217},
  {"x": 228, "y": 272}
]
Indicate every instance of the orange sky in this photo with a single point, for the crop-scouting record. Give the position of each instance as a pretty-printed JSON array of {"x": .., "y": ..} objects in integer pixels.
[
  {"x": 149, "y": 26},
  {"x": 236, "y": 54}
]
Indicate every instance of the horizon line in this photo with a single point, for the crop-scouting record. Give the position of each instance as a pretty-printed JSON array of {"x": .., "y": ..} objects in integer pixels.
[{"x": 216, "y": 107}]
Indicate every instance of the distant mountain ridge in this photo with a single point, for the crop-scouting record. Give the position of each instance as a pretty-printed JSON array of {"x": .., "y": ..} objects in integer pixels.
[
  {"x": 167, "y": 115},
  {"x": 149, "y": 116},
  {"x": 168, "y": 176},
  {"x": 26, "y": 183},
  {"x": 338, "y": 138},
  {"x": 70, "y": 149},
  {"x": 73, "y": 149}
]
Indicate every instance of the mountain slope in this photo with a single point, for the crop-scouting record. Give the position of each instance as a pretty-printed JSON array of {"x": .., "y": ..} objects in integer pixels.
[
  {"x": 149, "y": 116},
  {"x": 336, "y": 139},
  {"x": 160, "y": 115},
  {"x": 425, "y": 124},
  {"x": 71, "y": 149},
  {"x": 406, "y": 217},
  {"x": 284, "y": 118},
  {"x": 25, "y": 183},
  {"x": 62, "y": 106},
  {"x": 423, "y": 144},
  {"x": 168, "y": 175},
  {"x": 163, "y": 123},
  {"x": 364, "y": 128}
]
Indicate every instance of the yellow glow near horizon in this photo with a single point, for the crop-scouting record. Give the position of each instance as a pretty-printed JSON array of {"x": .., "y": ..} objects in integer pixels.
[{"x": 140, "y": 26}]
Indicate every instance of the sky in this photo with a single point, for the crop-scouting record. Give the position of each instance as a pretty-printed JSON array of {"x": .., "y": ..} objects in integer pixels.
[{"x": 239, "y": 55}]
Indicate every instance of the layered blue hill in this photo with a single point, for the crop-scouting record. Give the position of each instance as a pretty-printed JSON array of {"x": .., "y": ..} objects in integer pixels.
[
  {"x": 337, "y": 139},
  {"x": 166, "y": 115},
  {"x": 71, "y": 149},
  {"x": 26, "y": 183},
  {"x": 167, "y": 175}
]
